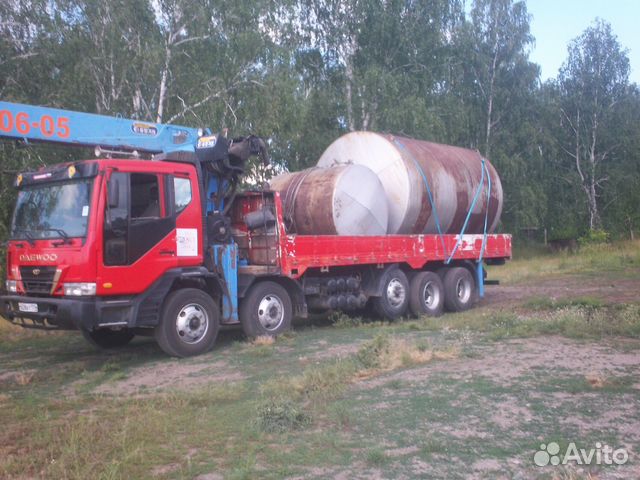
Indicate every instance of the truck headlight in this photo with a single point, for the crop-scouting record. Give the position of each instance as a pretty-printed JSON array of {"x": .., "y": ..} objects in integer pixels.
[
  {"x": 12, "y": 286},
  {"x": 79, "y": 289}
]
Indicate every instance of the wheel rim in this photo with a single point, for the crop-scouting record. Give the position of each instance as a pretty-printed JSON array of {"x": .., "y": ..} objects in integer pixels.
[
  {"x": 192, "y": 323},
  {"x": 463, "y": 290},
  {"x": 396, "y": 293},
  {"x": 271, "y": 312},
  {"x": 430, "y": 295}
]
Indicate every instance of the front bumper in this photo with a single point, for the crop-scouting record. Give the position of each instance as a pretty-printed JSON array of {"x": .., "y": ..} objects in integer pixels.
[{"x": 69, "y": 313}]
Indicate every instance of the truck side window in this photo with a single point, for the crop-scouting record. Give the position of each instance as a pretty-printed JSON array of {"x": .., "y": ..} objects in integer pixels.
[
  {"x": 116, "y": 228},
  {"x": 182, "y": 193},
  {"x": 138, "y": 220},
  {"x": 145, "y": 196}
]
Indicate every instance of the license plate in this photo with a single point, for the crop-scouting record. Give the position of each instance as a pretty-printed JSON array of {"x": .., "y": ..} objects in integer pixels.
[{"x": 28, "y": 307}]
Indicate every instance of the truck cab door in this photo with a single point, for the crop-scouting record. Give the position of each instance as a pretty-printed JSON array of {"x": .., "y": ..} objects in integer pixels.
[{"x": 139, "y": 232}]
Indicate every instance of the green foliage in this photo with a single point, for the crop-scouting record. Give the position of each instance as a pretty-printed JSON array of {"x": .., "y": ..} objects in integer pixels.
[
  {"x": 564, "y": 232},
  {"x": 303, "y": 73},
  {"x": 280, "y": 415},
  {"x": 594, "y": 237},
  {"x": 370, "y": 354},
  {"x": 341, "y": 320},
  {"x": 377, "y": 457}
]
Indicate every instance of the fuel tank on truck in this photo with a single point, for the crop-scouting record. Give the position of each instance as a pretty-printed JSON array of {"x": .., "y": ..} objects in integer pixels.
[
  {"x": 340, "y": 200},
  {"x": 402, "y": 165}
]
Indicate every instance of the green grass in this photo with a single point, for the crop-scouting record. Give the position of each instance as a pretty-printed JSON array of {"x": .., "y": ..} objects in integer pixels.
[
  {"x": 337, "y": 393},
  {"x": 545, "y": 303},
  {"x": 377, "y": 457},
  {"x": 529, "y": 264},
  {"x": 574, "y": 318}
]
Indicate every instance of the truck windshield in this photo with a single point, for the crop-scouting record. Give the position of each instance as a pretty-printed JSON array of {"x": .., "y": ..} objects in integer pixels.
[{"x": 54, "y": 210}]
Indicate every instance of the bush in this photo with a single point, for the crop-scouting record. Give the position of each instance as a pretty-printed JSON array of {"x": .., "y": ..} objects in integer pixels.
[
  {"x": 341, "y": 320},
  {"x": 279, "y": 415},
  {"x": 563, "y": 233},
  {"x": 594, "y": 237},
  {"x": 371, "y": 353}
]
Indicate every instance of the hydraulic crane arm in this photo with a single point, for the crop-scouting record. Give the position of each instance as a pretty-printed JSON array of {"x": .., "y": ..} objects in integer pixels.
[{"x": 42, "y": 124}]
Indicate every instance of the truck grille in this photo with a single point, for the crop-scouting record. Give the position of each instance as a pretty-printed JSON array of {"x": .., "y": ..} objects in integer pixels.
[{"x": 38, "y": 280}]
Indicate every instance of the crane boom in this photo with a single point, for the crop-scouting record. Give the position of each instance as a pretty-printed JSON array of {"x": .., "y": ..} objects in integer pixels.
[{"x": 52, "y": 125}]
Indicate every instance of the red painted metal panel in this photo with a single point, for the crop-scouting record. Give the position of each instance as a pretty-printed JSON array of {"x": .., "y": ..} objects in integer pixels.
[
  {"x": 305, "y": 251},
  {"x": 298, "y": 253}
]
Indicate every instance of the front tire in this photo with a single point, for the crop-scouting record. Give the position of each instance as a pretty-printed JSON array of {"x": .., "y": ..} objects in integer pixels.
[
  {"x": 189, "y": 325},
  {"x": 394, "y": 300},
  {"x": 266, "y": 310},
  {"x": 108, "y": 339},
  {"x": 427, "y": 295},
  {"x": 459, "y": 288}
]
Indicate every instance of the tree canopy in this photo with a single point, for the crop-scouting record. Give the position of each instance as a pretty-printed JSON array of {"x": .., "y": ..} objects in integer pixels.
[{"x": 301, "y": 73}]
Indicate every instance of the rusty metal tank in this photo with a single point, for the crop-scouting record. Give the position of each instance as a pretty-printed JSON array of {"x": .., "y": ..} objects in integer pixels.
[
  {"x": 340, "y": 200},
  {"x": 452, "y": 173}
]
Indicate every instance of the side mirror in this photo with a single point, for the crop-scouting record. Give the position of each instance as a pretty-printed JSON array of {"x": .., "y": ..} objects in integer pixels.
[{"x": 113, "y": 193}]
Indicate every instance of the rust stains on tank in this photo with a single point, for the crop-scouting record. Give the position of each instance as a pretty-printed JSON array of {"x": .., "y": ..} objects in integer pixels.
[
  {"x": 340, "y": 200},
  {"x": 403, "y": 164}
]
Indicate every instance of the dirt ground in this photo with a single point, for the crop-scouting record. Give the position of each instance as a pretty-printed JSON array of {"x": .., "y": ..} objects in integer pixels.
[
  {"x": 483, "y": 414},
  {"x": 608, "y": 289}
]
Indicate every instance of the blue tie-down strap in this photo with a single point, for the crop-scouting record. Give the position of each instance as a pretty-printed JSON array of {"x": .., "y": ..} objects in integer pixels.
[
  {"x": 429, "y": 194},
  {"x": 486, "y": 213},
  {"x": 479, "y": 268},
  {"x": 473, "y": 205}
]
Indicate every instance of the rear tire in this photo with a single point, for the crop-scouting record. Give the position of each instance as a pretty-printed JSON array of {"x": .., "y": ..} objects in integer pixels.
[
  {"x": 189, "y": 325},
  {"x": 426, "y": 295},
  {"x": 459, "y": 289},
  {"x": 108, "y": 339},
  {"x": 394, "y": 301},
  {"x": 266, "y": 310}
]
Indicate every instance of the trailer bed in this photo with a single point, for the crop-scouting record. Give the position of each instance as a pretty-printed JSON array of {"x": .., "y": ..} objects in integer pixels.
[
  {"x": 275, "y": 251},
  {"x": 301, "y": 252}
]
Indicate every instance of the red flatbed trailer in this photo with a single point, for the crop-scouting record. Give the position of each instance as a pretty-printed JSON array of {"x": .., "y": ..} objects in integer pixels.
[
  {"x": 310, "y": 261},
  {"x": 301, "y": 252},
  {"x": 298, "y": 253}
]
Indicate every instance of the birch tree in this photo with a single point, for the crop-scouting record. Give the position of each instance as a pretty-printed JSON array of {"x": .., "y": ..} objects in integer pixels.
[
  {"x": 592, "y": 81},
  {"x": 498, "y": 37}
]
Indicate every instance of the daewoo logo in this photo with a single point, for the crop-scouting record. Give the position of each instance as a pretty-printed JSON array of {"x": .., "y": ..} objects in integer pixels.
[{"x": 38, "y": 257}]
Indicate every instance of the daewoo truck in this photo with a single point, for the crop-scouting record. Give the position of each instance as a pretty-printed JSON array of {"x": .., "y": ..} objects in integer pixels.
[{"x": 152, "y": 237}]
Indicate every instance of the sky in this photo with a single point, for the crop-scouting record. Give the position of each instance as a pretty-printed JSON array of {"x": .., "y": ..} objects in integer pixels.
[{"x": 556, "y": 22}]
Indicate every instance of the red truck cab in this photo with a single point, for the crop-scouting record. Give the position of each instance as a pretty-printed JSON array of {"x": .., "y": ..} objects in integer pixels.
[{"x": 82, "y": 255}]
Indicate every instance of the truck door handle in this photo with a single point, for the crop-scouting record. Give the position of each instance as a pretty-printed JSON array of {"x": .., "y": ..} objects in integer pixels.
[{"x": 167, "y": 252}]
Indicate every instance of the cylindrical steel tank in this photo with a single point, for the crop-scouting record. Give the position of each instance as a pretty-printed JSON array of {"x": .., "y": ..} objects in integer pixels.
[
  {"x": 341, "y": 200},
  {"x": 452, "y": 173}
]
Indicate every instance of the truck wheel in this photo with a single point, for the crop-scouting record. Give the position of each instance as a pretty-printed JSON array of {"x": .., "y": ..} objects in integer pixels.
[
  {"x": 394, "y": 300},
  {"x": 426, "y": 295},
  {"x": 459, "y": 289},
  {"x": 108, "y": 339},
  {"x": 189, "y": 324},
  {"x": 266, "y": 310}
]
